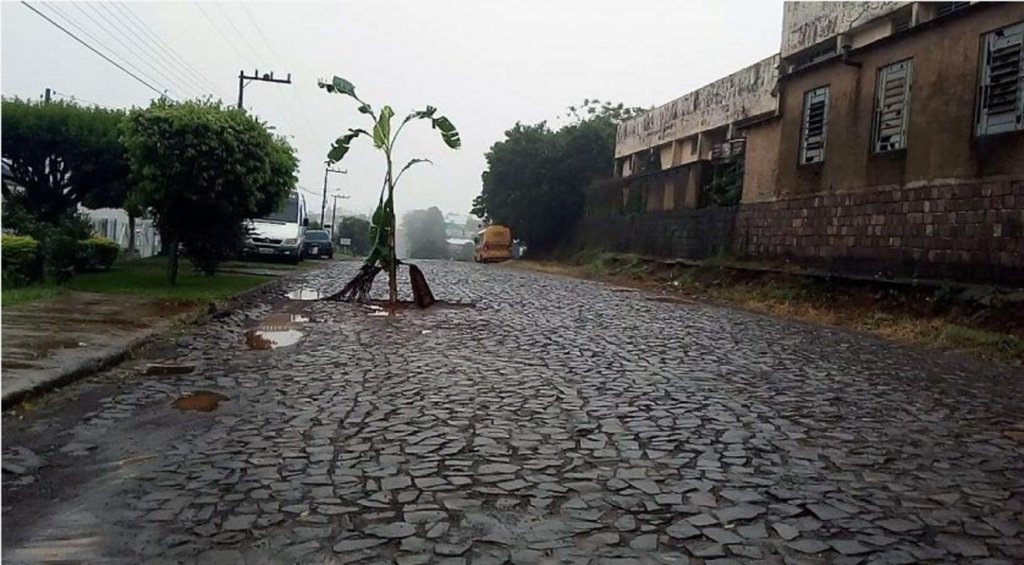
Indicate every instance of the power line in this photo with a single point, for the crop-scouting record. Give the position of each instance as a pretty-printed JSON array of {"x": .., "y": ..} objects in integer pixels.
[
  {"x": 126, "y": 9},
  {"x": 54, "y": 8},
  {"x": 93, "y": 49},
  {"x": 158, "y": 57},
  {"x": 134, "y": 51}
]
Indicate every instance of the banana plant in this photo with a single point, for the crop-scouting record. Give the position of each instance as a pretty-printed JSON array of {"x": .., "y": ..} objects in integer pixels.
[{"x": 382, "y": 227}]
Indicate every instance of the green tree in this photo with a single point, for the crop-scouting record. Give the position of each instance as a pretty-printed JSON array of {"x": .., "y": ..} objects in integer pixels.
[
  {"x": 382, "y": 229},
  {"x": 63, "y": 154},
  {"x": 535, "y": 178},
  {"x": 357, "y": 230},
  {"x": 426, "y": 234},
  {"x": 203, "y": 169}
]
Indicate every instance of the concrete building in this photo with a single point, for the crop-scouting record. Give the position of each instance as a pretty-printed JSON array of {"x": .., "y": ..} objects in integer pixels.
[{"x": 891, "y": 141}]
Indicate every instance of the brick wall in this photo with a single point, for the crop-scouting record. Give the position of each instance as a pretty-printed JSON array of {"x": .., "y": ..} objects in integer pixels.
[
  {"x": 967, "y": 231},
  {"x": 970, "y": 230}
]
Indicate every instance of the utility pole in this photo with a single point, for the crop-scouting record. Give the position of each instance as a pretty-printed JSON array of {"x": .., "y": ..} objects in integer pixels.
[
  {"x": 334, "y": 212},
  {"x": 323, "y": 203},
  {"x": 265, "y": 77},
  {"x": 46, "y": 96}
]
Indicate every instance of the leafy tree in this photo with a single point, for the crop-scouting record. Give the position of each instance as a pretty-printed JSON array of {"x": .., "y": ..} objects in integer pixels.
[
  {"x": 63, "y": 154},
  {"x": 358, "y": 230},
  {"x": 203, "y": 169},
  {"x": 382, "y": 229},
  {"x": 535, "y": 178},
  {"x": 426, "y": 234}
]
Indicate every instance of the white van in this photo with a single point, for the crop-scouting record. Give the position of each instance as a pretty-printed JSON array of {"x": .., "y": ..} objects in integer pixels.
[{"x": 280, "y": 233}]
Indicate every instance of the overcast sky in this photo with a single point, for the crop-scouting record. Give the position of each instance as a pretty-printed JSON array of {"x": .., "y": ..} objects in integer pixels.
[{"x": 486, "y": 65}]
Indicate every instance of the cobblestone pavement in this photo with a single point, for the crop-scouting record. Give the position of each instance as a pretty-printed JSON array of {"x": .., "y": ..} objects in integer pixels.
[{"x": 558, "y": 421}]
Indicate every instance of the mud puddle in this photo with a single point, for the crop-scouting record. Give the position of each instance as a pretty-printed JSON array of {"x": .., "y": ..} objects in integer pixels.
[{"x": 200, "y": 401}]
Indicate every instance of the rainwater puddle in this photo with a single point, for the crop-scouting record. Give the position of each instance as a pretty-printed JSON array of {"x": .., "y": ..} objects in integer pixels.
[
  {"x": 276, "y": 330},
  {"x": 200, "y": 401},
  {"x": 262, "y": 340},
  {"x": 305, "y": 294}
]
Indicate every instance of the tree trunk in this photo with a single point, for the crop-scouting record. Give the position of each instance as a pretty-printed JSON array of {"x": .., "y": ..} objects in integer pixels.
[
  {"x": 172, "y": 260},
  {"x": 131, "y": 236},
  {"x": 393, "y": 264}
]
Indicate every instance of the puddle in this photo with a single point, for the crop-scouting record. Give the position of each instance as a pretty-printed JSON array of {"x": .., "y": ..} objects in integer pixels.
[
  {"x": 670, "y": 299},
  {"x": 263, "y": 339},
  {"x": 305, "y": 294},
  {"x": 381, "y": 308},
  {"x": 200, "y": 401},
  {"x": 276, "y": 330}
]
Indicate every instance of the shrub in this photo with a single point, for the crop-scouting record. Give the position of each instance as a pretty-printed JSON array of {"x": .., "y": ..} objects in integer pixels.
[
  {"x": 97, "y": 253},
  {"x": 21, "y": 264},
  {"x": 61, "y": 247}
]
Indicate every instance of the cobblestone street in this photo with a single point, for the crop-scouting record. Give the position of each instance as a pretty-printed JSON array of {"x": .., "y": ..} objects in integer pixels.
[{"x": 555, "y": 421}]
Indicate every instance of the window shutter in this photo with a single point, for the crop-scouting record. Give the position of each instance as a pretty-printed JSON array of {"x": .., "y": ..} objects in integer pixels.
[
  {"x": 892, "y": 107},
  {"x": 815, "y": 125},
  {"x": 1002, "y": 82}
]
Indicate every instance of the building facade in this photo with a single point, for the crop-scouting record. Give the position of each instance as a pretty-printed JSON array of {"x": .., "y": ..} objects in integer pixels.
[{"x": 893, "y": 144}]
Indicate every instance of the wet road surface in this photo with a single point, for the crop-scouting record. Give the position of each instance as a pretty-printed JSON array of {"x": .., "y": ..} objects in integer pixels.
[{"x": 557, "y": 421}]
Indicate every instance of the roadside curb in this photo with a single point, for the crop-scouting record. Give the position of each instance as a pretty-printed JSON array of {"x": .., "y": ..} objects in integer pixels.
[{"x": 113, "y": 356}]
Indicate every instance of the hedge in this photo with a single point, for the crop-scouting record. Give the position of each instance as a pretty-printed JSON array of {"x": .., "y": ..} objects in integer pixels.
[
  {"x": 21, "y": 260},
  {"x": 97, "y": 253}
]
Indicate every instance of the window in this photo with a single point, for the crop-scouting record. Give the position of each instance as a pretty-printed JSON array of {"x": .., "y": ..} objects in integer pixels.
[
  {"x": 815, "y": 126},
  {"x": 892, "y": 107},
  {"x": 1001, "y": 96}
]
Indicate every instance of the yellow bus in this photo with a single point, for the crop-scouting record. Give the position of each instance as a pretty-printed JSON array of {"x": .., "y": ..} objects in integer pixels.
[{"x": 493, "y": 244}]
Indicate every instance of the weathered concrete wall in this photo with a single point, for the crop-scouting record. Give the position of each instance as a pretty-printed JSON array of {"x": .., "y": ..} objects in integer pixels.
[
  {"x": 941, "y": 143},
  {"x": 805, "y": 24},
  {"x": 743, "y": 94},
  {"x": 972, "y": 231}
]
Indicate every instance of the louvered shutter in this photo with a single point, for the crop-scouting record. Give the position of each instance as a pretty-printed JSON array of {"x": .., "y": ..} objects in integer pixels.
[
  {"x": 892, "y": 107},
  {"x": 1002, "y": 82},
  {"x": 815, "y": 126}
]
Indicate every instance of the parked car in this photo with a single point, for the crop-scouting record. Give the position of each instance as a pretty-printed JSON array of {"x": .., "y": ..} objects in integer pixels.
[
  {"x": 280, "y": 234},
  {"x": 318, "y": 244}
]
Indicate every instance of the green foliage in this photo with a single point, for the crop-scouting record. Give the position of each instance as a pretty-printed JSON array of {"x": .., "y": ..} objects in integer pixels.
[
  {"x": 382, "y": 228},
  {"x": 63, "y": 154},
  {"x": 97, "y": 253},
  {"x": 62, "y": 248},
  {"x": 535, "y": 178},
  {"x": 726, "y": 187},
  {"x": 358, "y": 230},
  {"x": 425, "y": 234},
  {"x": 21, "y": 264},
  {"x": 148, "y": 278},
  {"x": 203, "y": 169}
]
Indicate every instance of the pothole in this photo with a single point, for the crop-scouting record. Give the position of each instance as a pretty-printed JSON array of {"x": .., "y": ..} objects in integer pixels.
[
  {"x": 200, "y": 401},
  {"x": 276, "y": 330},
  {"x": 305, "y": 294}
]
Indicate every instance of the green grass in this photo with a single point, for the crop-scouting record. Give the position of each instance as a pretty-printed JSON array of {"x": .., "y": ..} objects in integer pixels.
[
  {"x": 972, "y": 339},
  {"x": 12, "y": 296},
  {"x": 148, "y": 278}
]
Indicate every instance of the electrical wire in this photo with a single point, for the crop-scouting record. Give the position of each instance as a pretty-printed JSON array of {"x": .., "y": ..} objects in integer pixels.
[
  {"x": 127, "y": 10},
  {"x": 96, "y": 51},
  {"x": 135, "y": 51}
]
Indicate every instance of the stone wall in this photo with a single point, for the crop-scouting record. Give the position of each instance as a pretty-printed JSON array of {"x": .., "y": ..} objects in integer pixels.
[
  {"x": 968, "y": 230},
  {"x": 693, "y": 234},
  {"x": 957, "y": 230}
]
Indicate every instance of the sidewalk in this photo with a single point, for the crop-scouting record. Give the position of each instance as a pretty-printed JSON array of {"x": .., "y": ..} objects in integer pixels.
[{"x": 50, "y": 342}]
